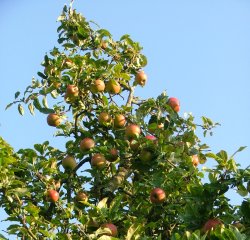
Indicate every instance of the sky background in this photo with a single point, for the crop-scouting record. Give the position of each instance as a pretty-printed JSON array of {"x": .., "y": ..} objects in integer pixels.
[{"x": 198, "y": 51}]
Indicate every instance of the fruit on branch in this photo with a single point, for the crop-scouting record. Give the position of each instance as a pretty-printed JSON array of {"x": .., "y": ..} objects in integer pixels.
[
  {"x": 81, "y": 197},
  {"x": 141, "y": 78},
  {"x": 98, "y": 161},
  {"x": 104, "y": 45},
  {"x": 72, "y": 92},
  {"x": 104, "y": 118},
  {"x": 97, "y": 86},
  {"x": 132, "y": 131},
  {"x": 54, "y": 120},
  {"x": 174, "y": 103},
  {"x": 195, "y": 160},
  {"x": 146, "y": 155},
  {"x": 52, "y": 195},
  {"x": 151, "y": 138},
  {"x": 113, "y": 87},
  {"x": 111, "y": 228},
  {"x": 86, "y": 144},
  {"x": 211, "y": 224},
  {"x": 157, "y": 195},
  {"x": 69, "y": 162},
  {"x": 134, "y": 144},
  {"x": 112, "y": 155},
  {"x": 119, "y": 121}
]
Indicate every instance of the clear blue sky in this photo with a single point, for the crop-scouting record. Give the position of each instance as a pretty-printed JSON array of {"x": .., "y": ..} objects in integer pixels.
[{"x": 199, "y": 51}]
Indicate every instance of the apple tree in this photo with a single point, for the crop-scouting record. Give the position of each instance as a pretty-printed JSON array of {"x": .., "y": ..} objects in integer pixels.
[{"x": 131, "y": 167}]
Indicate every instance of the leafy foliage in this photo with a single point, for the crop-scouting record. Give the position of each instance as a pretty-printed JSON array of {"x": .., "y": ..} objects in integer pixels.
[{"x": 115, "y": 189}]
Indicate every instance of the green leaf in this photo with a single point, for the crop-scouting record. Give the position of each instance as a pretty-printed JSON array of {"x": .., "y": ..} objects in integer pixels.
[
  {"x": 102, "y": 203},
  {"x": 9, "y": 105},
  {"x": 239, "y": 150},
  {"x": 104, "y": 33},
  {"x": 31, "y": 108},
  {"x": 223, "y": 155},
  {"x": 132, "y": 231},
  {"x": 17, "y": 94},
  {"x": 20, "y": 109},
  {"x": 242, "y": 190},
  {"x": 44, "y": 102},
  {"x": 105, "y": 100},
  {"x": 40, "y": 74}
]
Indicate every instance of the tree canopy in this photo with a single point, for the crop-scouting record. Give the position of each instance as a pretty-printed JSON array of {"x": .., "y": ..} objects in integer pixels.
[{"x": 131, "y": 168}]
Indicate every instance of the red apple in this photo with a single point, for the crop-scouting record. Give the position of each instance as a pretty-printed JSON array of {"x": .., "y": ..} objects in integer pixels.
[
  {"x": 132, "y": 131},
  {"x": 195, "y": 160},
  {"x": 112, "y": 155},
  {"x": 98, "y": 161},
  {"x": 119, "y": 121},
  {"x": 69, "y": 162},
  {"x": 112, "y": 229},
  {"x": 104, "y": 118},
  {"x": 157, "y": 195},
  {"x": 72, "y": 92},
  {"x": 52, "y": 195},
  {"x": 97, "y": 86},
  {"x": 174, "y": 103},
  {"x": 86, "y": 144},
  {"x": 151, "y": 138},
  {"x": 54, "y": 120},
  {"x": 113, "y": 87},
  {"x": 211, "y": 224},
  {"x": 81, "y": 197},
  {"x": 141, "y": 78}
]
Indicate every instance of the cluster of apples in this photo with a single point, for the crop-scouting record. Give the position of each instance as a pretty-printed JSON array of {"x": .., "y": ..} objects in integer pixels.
[{"x": 132, "y": 133}]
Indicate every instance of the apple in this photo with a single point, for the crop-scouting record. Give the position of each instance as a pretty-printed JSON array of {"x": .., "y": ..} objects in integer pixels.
[
  {"x": 54, "y": 120},
  {"x": 211, "y": 224},
  {"x": 174, "y": 103},
  {"x": 52, "y": 195},
  {"x": 86, "y": 144},
  {"x": 104, "y": 45},
  {"x": 141, "y": 78},
  {"x": 69, "y": 162},
  {"x": 72, "y": 92},
  {"x": 151, "y": 138},
  {"x": 119, "y": 121},
  {"x": 146, "y": 155},
  {"x": 81, "y": 197},
  {"x": 112, "y": 229},
  {"x": 112, "y": 155},
  {"x": 134, "y": 145},
  {"x": 157, "y": 195},
  {"x": 113, "y": 87},
  {"x": 97, "y": 86},
  {"x": 132, "y": 131},
  {"x": 104, "y": 118},
  {"x": 195, "y": 160},
  {"x": 98, "y": 161}
]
